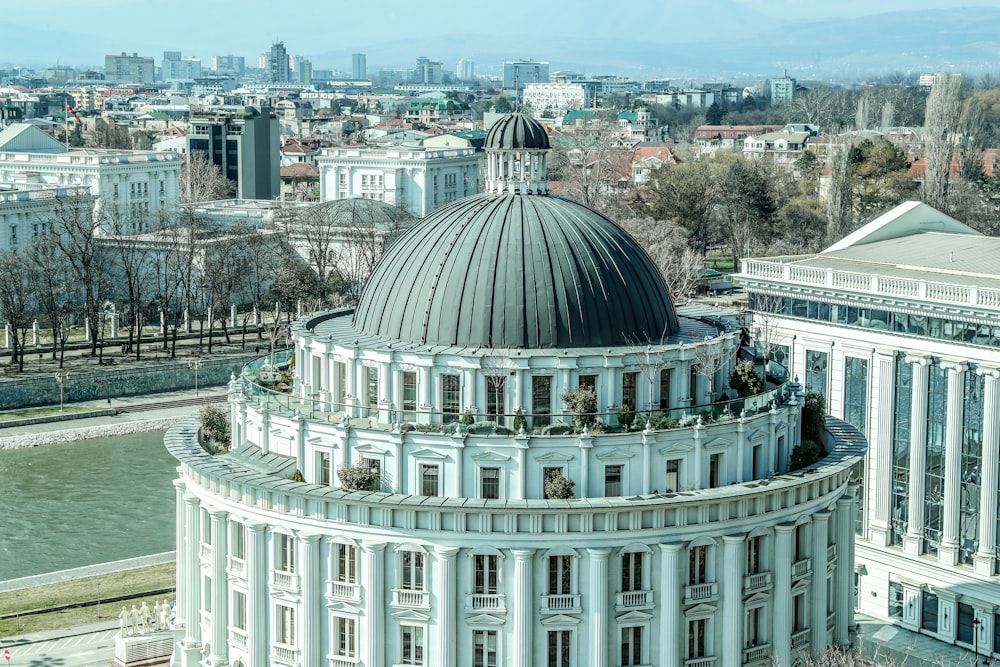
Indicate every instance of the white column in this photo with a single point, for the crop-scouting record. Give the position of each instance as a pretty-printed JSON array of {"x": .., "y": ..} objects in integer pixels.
[
  {"x": 598, "y": 604},
  {"x": 312, "y": 608},
  {"x": 257, "y": 597},
  {"x": 220, "y": 589},
  {"x": 191, "y": 593},
  {"x": 446, "y": 606},
  {"x": 781, "y": 633},
  {"x": 523, "y": 606},
  {"x": 914, "y": 538},
  {"x": 844, "y": 575},
  {"x": 670, "y": 605},
  {"x": 948, "y": 550},
  {"x": 374, "y": 618},
  {"x": 986, "y": 553},
  {"x": 181, "y": 552},
  {"x": 881, "y": 451},
  {"x": 820, "y": 542},
  {"x": 733, "y": 560}
]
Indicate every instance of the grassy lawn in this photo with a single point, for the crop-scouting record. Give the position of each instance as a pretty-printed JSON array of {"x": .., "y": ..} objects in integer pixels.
[
  {"x": 48, "y": 411},
  {"x": 80, "y": 590}
]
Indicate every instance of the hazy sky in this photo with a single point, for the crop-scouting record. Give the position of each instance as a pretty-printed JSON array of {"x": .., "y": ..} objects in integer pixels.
[{"x": 81, "y": 32}]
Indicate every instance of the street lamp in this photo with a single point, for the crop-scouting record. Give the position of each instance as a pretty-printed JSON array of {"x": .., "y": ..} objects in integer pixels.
[
  {"x": 61, "y": 377},
  {"x": 195, "y": 364}
]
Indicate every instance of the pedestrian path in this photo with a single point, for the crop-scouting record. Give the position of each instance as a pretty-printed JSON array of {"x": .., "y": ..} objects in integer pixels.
[
  {"x": 85, "y": 571},
  {"x": 889, "y": 644}
]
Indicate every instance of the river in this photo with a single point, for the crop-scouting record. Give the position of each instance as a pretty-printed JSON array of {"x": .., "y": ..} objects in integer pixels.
[{"x": 86, "y": 502}]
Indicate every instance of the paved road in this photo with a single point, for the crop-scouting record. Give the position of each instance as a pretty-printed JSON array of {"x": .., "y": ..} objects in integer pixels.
[{"x": 93, "y": 649}]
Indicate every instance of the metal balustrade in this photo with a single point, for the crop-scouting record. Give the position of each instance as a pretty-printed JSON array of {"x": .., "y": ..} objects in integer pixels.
[{"x": 756, "y": 581}]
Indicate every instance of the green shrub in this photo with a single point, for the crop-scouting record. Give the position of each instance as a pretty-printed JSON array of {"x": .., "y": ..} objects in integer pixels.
[
  {"x": 357, "y": 477},
  {"x": 519, "y": 421},
  {"x": 745, "y": 380},
  {"x": 297, "y": 476},
  {"x": 557, "y": 429},
  {"x": 626, "y": 417},
  {"x": 558, "y": 487},
  {"x": 662, "y": 422},
  {"x": 813, "y": 417},
  {"x": 805, "y": 454},
  {"x": 215, "y": 427},
  {"x": 582, "y": 404},
  {"x": 467, "y": 419}
]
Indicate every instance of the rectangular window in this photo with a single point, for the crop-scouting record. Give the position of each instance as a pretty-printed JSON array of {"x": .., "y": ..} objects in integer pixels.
[
  {"x": 693, "y": 384},
  {"x": 632, "y": 646},
  {"x": 855, "y": 392},
  {"x": 665, "y": 378},
  {"x": 344, "y": 631},
  {"x": 413, "y": 571},
  {"x": 347, "y": 563},
  {"x": 412, "y": 652},
  {"x": 673, "y": 476},
  {"x": 375, "y": 467},
  {"x": 966, "y": 623},
  {"x": 895, "y": 600},
  {"x": 714, "y": 471},
  {"x": 451, "y": 397},
  {"x": 238, "y": 613},
  {"x": 929, "y": 612},
  {"x": 753, "y": 633},
  {"x": 340, "y": 386},
  {"x": 484, "y": 648},
  {"x": 754, "y": 546},
  {"x": 489, "y": 483},
  {"x": 484, "y": 574},
  {"x": 237, "y": 547},
  {"x": 816, "y": 371},
  {"x": 409, "y": 396},
  {"x": 613, "y": 480},
  {"x": 696, "y": 638},
  {"x": 325, "y": 476},
  {"x": 284, "y": 630},
  {"x": 560, "y": 575},
  {"x": 541, "y": 400},
  {"x": 371, "y": 384},
  {"x": 800, "y": 619},
  {"x": 428, "y": 480},
  {"x": 937, "y": 423},
  {"x": 629, "y": 383},
  {"x": 587, "y": 382},
  {"x": 698, "y": 565},
  {"x": 901, "y": 450},
  {"x": 970, "y": 466},
  {"x": 559, "y": 642},
  {"x": 632, "y": 562},
  {"x": 286, "y": 553},
  {"x": 495, "y": 395}
]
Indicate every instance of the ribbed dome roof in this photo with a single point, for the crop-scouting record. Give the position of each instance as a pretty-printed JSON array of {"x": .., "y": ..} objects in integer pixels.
[
  {"x": 516, "y": 130},
  {"x": 518, "y": 271}
]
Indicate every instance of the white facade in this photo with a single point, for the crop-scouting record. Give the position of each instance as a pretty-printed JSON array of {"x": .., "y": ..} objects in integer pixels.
[
  {"x": 898, "y": 326},
  {"x": 417, "y": 179},
  {"x": 26, "y": 211},
  {"x": 557, "y": 98}
]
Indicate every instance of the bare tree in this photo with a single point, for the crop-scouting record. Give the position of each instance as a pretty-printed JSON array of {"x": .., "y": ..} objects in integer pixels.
[
  {"x": 369, "y": 229},
  {"x": 130, "y": 254},
  {"x": 711, "y": 356},
  {"x": 838, "y": 201},
  {"x": 667, "y": 245},
  {"x": 767, "y": 311},
  {"x": 203, "y": 180},
  {"x": 52, "y": 275},
  {"x": 18, "y": 301},
  {"x": 941, "y": 123}
]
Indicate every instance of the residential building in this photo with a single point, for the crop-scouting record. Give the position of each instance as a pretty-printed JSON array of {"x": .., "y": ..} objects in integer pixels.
[
  {"x": 278, "y": 70},
  {"x": 415, "y": 178},
  {"x": 634, "y": 127},
  {"x": 129, "y": 69},
  {"x": 782, "y": 90},
  {"x": 137, "y": 182},
  {"x": 465, "y": 70},
  {"x": 234, "y": 65},
  {"x": 556, "y": 99},
  {"x": 781, "y": 146},
  {"x": 359, "y": 66},
  {"x": 431, "y": 110},
  {"x": 521, "y": 72},
  {"x": 183, "y": 68},
  {"x": 646, "y": 158},
  {"x": 424, "y": 498},
  {"x": 729, "y": 136},
  {"x": 428, "y": 71},
  {"x": 898, "y": 326},
  {"x": 243, "y": 142}
]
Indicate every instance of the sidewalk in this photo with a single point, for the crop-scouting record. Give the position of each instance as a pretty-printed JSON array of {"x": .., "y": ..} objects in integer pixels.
[
  {"x": 59, "y": 633},
  {"x": 894, "y": 645}
]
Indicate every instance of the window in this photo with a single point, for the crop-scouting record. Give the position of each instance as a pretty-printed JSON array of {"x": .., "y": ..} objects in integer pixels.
[
  {"x": 693, "y": 383},
  {"x": 347, "y": 563},
  {"x": 412, "y": 564},
  {"x": 344, "y": 632},
  {"x": 13, "y": 235},
  {"x": 238, "y": 613},
  {"x": 665, "y": 376},
  {"x": 495, "y": 395},
  {"x": 560, "y": 575},
  {"x": 801, "y": 544},
  {"x": 237, "y": 548},
  {"x": 412, "y": 652},
  {"x": 673, "y": 476},
  {"x": 714, "y": 470},
  {"x": 698, "y": 565},
  {"x": 855, "y": 391},
  {"x": 613, "y": 480},
  {"x": 587, "y": 382},
  {"x": 632, "y": 563},
  {"x": 489, "y": 483},
  {"x": 286, "y": 553},
  {"x": 375, "y": 467},
  {"x": 966, "y": 623},
  {"x": 409, "y": 401},
  {"x": 371, "y": 384},
  {"x": 541, "y": 399},
  {"x": 559, "y": 641},
  {"x": 632, "y": 645},
  {"x": 325, "y": 478},
  {"x": 284, "y": 629},
  {"x": 697, "y": 647},
  {"x": 800, "y": 619},
  {"x": 895, "y": 600},
  {"x": 428, "y": 480},
  {"x": 816, "y": 371},
  {"x": 547, "y": 474},
  {"x": 340, "y": 387},
  {"x": 484, "y": 574},
  {"x": 753, "y": 629},
  {"x": 629, "y": 398},
  {"x": 484, "y": 648},
  {"x": 451, "y": 387},
  {"x": 929, "y": 611},
  {"x": 754, "y": 546}
]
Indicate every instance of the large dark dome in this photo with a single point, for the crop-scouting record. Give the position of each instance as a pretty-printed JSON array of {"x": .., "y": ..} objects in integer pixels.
[
  {"x": 519, "y": 271},
  {"x": 514, "y": 131}
]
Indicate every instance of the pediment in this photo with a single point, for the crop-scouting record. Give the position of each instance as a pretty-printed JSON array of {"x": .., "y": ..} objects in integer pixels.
[
  {"x": 616, "y": 454},
  {"x": 717, "y": 443},
  {"x": 757, "y": 598},
  {"x": 411, "y": 615},
  {"x": 344, "y": 607},
  {"x": 676, "y": 448},
  {"x": 701, "y": 610},
  {"x": 371, "y": 449},
  {"x": 560, "y": 620},
  {"x": 484, "y": 619},
  {"x": 490, "y": 456},
  {"x": 553, "y": 457},
  {"x": 429, "y": 454},
  {"x": 322, "y": 442},
  {"x": 634, "y": 617}
]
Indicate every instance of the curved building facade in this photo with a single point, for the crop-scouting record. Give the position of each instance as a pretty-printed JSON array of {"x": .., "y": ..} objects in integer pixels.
[{"x": 528, "y": 488}]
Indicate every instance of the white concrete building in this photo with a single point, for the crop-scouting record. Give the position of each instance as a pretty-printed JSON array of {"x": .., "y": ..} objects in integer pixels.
[
  {"x": 555, "y": 99},
  {"x": 418, "y": 179},
  {"x": 26, "y": 210},
  {"x": 134, "y": 181},
  {"x": 899, "y": 326},
  {"x": 444, "y": 391}
]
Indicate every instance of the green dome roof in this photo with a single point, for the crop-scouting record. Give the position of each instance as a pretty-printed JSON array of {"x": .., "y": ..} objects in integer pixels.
[
  {"x": 514, "y": 131},
  {"x": 518, "y": 271}
]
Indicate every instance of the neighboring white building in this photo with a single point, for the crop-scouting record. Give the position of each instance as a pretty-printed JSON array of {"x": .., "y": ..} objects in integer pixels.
[
  {"x": 27, "y": 209},
  {"x": 555, "y": 99},
  {"x": 418, "y": 179},
  {"x": 134, "y": 181},
  {"x": 898, "y": 325},
  {"x": 682, "y": 544},
  {"x": 781, "y": 146}
]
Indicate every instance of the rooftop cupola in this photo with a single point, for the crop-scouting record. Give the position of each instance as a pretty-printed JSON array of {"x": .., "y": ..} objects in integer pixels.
[{"x": 516, "y": 146}]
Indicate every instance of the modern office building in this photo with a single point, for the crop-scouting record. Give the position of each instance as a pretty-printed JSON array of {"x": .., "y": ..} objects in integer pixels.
[
  {"x": 359, "y": 66},
  {"x": 126, "y": 68},
  {"x": 278, "y": 69},
  {"x": 465, "y": 70},
  {"x": 244, "y": 144},
  {"x": 235, "y": 65},
  {"x": 416, "y": 178},
  {"x": 520, "y": 72},
  {"x": 422, "y": 496},
  {"x": 782, "y": 90},
  {"x": 898, "y": 325}
]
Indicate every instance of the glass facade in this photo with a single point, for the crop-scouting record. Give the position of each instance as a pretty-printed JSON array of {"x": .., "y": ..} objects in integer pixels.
[
  {"x": 901, "y": 412},
  {"x": 937, "y": 395},
  {"x": 855, "y": 392},
  {"x": 541, "y": 399},
  {"x": 409, "y": 396},
  {"x": 451, "y": 397},
  {"x": 816, "y": 371},
  {"x": 971, "y": 468}
]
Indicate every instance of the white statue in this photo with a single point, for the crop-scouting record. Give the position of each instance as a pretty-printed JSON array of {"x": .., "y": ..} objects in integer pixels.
[
  {"x": 164, "y": 616},
  {"x": 123, "y": 623},
  {"x": 133, "y": 620},
  {"x": 145, "y": 618},
  {"x": 156, "y": 616}
]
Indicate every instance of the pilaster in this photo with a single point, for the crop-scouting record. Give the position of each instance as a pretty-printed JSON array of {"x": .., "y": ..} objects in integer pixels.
[
  {"x": 670, "y": 605},
  {"x": 986, "y": 553},
  {"x": 781, "y": 632},
  {"x": 881, "y": 451},
  {"x": 220, "y": 589},
  {"x": 523, "y": 606},
  {"x": 373, "y": 623},
  {"x": 446, "y": 605},
  {"x": 257, "y": 595},
  {"x": 914, "y": 537},
  {"x": 733, "y": 560},
  {"x": 820, "y": 563},
  {"x": 598, "y": 603},
  {"x": 312, "y": 589},
  {"x": 948, "y": 550}
]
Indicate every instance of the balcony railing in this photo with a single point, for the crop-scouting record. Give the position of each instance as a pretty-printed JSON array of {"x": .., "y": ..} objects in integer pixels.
[
  {"x": 633, "y": 599},
  {"x": 562, "y": 603},
  {"x": 700, "y": 662},
  {"x": 341, "y": 661},
  {"x": 802, "y": 567},
  {"x": 700, "y": 592},
  {"x": 485, "y": 602},
  {"x": 757, "y": 655},
  {"x": 831, "y": 620},
  {"x": 831, "y": 553},
  {"x": 800, "y": 639},
  {"x": 286, "y": 580},
  {"x": 344, "y": 591},
  {"x": 238, "y": 637},
  {"x": 285, "y": 654},
  {"x": 237, "y": 567},
  {"x": 756, "y": 582},
  {"x": 407, "y": 598}
]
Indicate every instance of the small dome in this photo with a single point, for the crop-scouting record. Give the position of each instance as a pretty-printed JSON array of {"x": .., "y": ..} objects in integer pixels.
[
  {"x": 516, "y": 271},
  {"x": 514, "y": 131}
]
